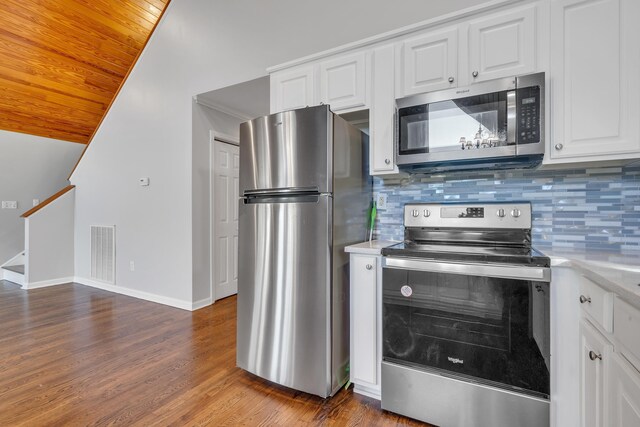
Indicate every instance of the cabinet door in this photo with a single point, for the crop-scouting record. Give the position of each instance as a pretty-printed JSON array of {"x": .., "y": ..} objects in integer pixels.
[
  {"x": 624, "y": 389},
  {"x": 430, "y": 62},
  {"x": 501, "y": 45},
  {"x": 343, "y": 82},
  {"x": 364, "y": 313},
  {"x": 382, "y": 113},
  {"x": 595, "y": 64},
  {"x": 595, "y": 352},
  {"x": 292, "y": 89}
]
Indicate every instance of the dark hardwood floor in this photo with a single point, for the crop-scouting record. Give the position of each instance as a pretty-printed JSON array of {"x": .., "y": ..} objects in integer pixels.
[{"x": 74, "y": 355}]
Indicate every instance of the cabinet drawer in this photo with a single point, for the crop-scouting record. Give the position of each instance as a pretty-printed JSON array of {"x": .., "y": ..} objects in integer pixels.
[
  {"x": 627, "y": 333},
  {"x": 597, "y": 303}
]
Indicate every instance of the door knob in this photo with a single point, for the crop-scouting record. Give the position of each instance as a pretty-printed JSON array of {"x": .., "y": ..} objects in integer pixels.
[
  {"x": 474, "y": 74},
  {"x": 451, "y": 79},
  {"x": 369, "y": 266},
  {"x": 559, "y": 146},
  {"x": 593, "y": 355},
  {"x": 584, "y": 299},
  {"x": 387, "y": 161}
]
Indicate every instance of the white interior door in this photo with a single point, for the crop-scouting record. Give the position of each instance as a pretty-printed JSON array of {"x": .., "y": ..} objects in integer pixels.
[{"x": 226, "y": 163}]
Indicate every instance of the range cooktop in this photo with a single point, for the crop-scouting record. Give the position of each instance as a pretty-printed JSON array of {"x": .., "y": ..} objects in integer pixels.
[{"x": 463, "y": 232}]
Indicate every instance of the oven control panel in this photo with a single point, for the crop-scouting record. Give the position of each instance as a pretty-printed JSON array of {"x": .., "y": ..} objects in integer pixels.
[{"x": 486, "y": 215}]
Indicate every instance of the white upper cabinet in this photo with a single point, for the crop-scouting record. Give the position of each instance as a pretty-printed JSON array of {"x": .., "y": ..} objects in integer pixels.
[
  {"x": 291, "y": 89},
  {"x": 498, "y": 45},
  {"x": 595, "y": 69},
  {"x": 430, "y": 62},
  {"x": 340, "y": 82},
  {"x": 501, "y": 45},
  {"x": 382, "y": 113},
  {"x": 343, "y": 82}
]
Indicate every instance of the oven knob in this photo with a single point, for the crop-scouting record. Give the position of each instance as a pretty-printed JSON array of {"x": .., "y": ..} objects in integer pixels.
[
  {"x": 515, "y": 213},
  {"x": 500, "y": 213},
  {"x": 427, "y": 213},
  {"x": 415, "y": 213}
]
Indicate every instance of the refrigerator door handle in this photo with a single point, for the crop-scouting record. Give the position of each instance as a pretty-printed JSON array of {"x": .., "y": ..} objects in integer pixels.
[
  {"x": 286, "y": 198},
  {"x": 281, "y": 191}
]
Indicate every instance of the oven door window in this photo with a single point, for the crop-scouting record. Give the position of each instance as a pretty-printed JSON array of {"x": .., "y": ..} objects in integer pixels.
[
  {"x": 468, "y": 123},
  {"x": 490, "y": 330}
]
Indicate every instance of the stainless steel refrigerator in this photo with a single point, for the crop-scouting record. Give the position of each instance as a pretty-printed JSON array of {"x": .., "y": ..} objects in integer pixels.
[{"x": 305, "y": 193}]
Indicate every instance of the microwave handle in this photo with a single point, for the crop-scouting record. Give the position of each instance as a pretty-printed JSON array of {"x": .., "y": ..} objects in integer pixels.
[{"x": 512, "y": 117}]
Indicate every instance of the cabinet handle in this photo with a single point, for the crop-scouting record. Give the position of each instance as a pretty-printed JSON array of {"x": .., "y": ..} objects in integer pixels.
[
  {"x": 387, "y": 161},
  {"x": 369, "y": 266},
  {"x": 593, "y": 355},
  {"x": 559, "y": 146},
  {"x": 474, "y": 74},
  {"x": 584, "y": 299},
  {"x": 451, "y": 79}
]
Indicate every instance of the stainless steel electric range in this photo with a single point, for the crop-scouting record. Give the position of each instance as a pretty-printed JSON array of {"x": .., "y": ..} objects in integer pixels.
[{"x": 466, "y": 317}]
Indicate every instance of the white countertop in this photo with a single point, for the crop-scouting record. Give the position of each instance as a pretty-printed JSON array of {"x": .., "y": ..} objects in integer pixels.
[
  {"x": 618, "y": 273},
  {"x": 369, "y": 248}
]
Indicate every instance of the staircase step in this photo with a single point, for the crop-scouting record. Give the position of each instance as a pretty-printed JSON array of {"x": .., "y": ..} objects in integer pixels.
[{"x": 15, "y": 268}]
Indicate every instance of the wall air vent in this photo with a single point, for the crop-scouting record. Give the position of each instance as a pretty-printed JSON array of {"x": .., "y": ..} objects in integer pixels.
[{"x": 103, "y": 253}]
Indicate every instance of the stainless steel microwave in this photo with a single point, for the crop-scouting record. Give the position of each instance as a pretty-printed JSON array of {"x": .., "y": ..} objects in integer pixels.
[{"x": 498, "y": 122}]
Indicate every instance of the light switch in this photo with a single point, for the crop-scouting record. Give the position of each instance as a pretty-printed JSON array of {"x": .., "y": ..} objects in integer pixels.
[
  {"x": 36, "y": 202},
  {"x": 144, "y": 182}
]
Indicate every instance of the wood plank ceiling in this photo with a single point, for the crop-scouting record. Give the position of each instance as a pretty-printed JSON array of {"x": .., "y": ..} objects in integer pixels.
[{"x": 63, "y": 61}]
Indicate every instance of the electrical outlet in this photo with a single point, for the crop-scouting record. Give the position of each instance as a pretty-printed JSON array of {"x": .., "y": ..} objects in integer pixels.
[
  {"x": 9, "y": 204},
  {"x": 381, "y": 201},
  {"x": 132, "y": 266}
]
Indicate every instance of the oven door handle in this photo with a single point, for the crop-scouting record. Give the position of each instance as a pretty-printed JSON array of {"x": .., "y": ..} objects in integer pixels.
[{"x": 517, "y": 272}]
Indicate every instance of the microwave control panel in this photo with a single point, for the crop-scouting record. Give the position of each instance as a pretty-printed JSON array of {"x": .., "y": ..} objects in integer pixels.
[{"x": 528, "y": 122}]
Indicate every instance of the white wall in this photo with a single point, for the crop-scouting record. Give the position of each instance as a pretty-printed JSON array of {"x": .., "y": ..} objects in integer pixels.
[
  {"x": 49, "y": 243},
  {"x": 204, "y": 120},
  {"x": 31, "y": 167},
  {"x": 200, "y": 45}
]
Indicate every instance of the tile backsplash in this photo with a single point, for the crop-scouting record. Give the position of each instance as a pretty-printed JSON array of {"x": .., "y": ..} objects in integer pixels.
[{"x": 595, "y": 208}]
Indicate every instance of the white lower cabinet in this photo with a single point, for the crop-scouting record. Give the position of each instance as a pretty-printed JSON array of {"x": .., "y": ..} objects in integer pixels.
[
  {"x": 595, "y": 352},
  {"x": 609, "y": 382},
  {"x": 364, "y": 330},
  {"x": 624, "y": 392}
]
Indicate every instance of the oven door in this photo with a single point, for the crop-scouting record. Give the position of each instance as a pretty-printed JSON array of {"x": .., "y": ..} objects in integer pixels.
[{"x": 483, "y": 323}]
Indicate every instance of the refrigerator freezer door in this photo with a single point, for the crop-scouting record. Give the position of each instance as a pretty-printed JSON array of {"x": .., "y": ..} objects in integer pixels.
[
  {"x": 284, "y": 291},
  {"x": 289, "y": 150}
]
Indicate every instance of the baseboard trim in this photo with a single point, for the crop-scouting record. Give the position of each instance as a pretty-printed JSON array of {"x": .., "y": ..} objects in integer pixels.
[
  {"x": 13, "y": 277},
  {"x": 197, "y": 305},
  {"x": 374, "y": 393},
  {"x": 46, "y": 283},
  {"x": 147, "y": 296}
]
